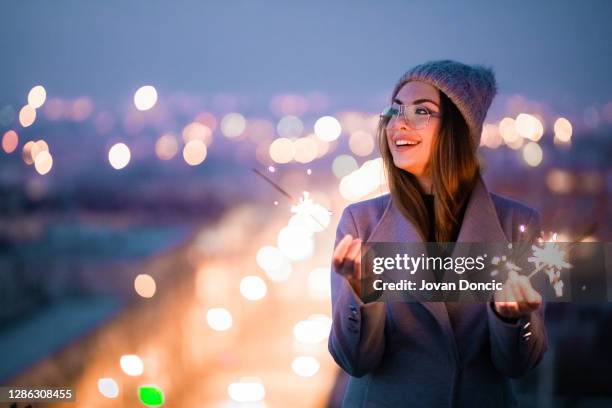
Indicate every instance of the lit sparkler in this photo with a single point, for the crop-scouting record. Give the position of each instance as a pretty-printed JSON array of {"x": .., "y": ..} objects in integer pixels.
[
  {"x": 304, "y": 207},
  {"x": 307, "y": 207},
  {"x": 550, "y": 258}
]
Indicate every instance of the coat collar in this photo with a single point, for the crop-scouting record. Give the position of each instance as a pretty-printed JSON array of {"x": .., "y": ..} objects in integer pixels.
[{"x": 480, "y": 224}]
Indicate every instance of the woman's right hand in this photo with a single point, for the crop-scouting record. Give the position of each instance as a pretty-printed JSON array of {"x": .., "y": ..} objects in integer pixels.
[{"x": 347, "y": 261}]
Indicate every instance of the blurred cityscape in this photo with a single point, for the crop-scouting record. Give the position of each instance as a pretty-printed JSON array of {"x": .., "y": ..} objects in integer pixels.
[
  {"x": 172, "y": 175},
  {"x": 183, "y": 243}
]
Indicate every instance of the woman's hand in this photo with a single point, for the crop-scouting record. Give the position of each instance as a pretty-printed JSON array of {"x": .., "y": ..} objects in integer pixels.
[
  {"x": 347, "y": 261},
  {"x": 517, "y": 298}
]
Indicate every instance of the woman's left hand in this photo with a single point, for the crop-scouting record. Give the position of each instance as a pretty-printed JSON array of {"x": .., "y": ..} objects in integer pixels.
[{"x": 517, "y": 298}]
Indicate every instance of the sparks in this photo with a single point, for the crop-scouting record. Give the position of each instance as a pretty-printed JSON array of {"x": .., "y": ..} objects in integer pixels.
[
  {"x": 551, "y": 259},
  {"x": 307, "y": 207}
]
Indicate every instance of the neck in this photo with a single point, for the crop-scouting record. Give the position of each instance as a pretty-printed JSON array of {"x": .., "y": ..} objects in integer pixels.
[{"x": 426, "y": 185}]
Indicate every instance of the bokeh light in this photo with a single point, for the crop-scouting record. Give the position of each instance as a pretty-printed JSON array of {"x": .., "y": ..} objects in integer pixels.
[
  {"x": 563, "y": 131},
  {"x": 197, "y": 131},
  {"x": 10, "y": 140},
  {"x": 253, "y": 287},
  {"x": 532, "y": 154},
  {"x": 194, "y": 152},
  {"x": 43, "y": 162},
  {"x": 361, "y": 143},
  {"x": 37, "y": 96},
  {"x": 353, "y": 122},
  {"x": 314, "y": 330},
  {"x": 145, "y": 97},
  {"x": 219, "y": 319},
  {"x": 305, "y": 366},
  {"x": 290, "y": 127},
  {"x": 560, "y": 181},
  {"x": 54, "y": 109},
  {"x": 305, "y": 149},
  {"x": 81, "y": 109},
  {"x": 119, "y": 155},
  {"x": 108, "y": 387},
  {"x": 282, "y": 150},
  {"x": 131, "y": 364},
  {"x": 274, "y": 263},
  {"x": 151, "y": 395},
  {"x": 327, "y": 128},
  {"x": 507, "y": 129},
  {"x": 343, "y": 165},
  {"x": 166, "y": 146},
  {"x": 144, "y": 285},
  {"x": 27, "y": 116},
  {"x": 491, "y": 136},
  {"x": 248, "y": 389},
  {"x": 31, "y": 151},
  {"x": 296, "y": 243},
  {"x": 207, "y": 119},
  {"x": 369, "y": 178},
  {"x": 289, "y": 104},
  {"x": 233, "y": 125},
  {"x": 529, "y": 127},
  {"x": 41, "y": 146},
  {"x": 27, "y": 152}
]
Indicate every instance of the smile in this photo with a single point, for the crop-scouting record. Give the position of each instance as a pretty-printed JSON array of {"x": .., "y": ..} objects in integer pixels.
[{"x": 403, "y": 143}]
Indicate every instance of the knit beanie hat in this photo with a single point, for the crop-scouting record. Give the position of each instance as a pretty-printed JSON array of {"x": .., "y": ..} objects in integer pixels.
[{"x": 470, "y": 87}]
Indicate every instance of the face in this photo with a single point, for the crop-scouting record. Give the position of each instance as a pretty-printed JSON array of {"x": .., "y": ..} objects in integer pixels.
[{"x": 410, "y": 147}]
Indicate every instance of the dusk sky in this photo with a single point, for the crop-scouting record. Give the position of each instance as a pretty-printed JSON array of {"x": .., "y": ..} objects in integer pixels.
[{"x": 556, "y": 52}]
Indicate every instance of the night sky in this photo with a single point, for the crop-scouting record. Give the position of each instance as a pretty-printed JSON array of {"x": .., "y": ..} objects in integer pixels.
[{"x": 556, "y": 52}]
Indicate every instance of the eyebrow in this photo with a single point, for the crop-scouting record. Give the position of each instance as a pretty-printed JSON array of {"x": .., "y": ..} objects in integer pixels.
[{"x": 398, "y": 101}]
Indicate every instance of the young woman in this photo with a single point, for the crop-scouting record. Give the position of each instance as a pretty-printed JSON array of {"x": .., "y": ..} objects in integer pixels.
[{"x": 434, "y": 354}]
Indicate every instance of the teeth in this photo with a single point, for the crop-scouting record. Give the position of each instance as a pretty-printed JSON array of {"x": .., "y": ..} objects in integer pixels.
[{"x": 405, "y": 142}]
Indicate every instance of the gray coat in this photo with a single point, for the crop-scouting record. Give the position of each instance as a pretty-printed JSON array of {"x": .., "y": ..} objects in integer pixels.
[{"x": 402, "y": 354}]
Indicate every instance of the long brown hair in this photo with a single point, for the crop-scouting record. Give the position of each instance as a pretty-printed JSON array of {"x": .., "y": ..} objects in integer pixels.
[{"x": 453, "y": 167}]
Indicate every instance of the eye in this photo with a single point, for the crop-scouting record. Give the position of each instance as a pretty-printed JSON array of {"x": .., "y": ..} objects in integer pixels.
[{"x": 421, "y": 110}]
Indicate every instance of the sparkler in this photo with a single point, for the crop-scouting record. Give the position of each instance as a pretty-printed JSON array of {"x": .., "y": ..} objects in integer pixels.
[
  {"x": 547, "y": 256},
  {"x": 273, "y": 184},
  {"x": 550, "y": 258},
  {"x": 305, "y": 205}
]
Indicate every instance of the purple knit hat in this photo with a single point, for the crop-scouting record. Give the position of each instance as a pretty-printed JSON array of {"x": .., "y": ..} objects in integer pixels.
[{"x": 470, "y": 87}]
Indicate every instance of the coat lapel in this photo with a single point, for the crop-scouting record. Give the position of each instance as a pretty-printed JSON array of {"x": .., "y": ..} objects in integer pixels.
[
  {"x": 480, "y": 224},
  {"x": 480, "y": 221}
]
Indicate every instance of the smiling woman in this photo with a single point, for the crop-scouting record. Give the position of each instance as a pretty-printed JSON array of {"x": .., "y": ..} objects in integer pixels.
[
  {"x": 433, "y": 354},
  {"x": 418, "y": 162}
]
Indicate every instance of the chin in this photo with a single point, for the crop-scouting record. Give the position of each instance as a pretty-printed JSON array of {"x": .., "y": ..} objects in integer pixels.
[{"x": 407, "y": 166}]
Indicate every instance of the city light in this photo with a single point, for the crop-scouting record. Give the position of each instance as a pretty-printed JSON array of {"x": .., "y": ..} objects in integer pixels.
[
  {"x": 119, "y": 156},
  {"x": 145, "y": 98}
]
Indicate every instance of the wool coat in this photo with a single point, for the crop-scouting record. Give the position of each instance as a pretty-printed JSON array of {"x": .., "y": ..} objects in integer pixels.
[{"x": 407, "y": 354}]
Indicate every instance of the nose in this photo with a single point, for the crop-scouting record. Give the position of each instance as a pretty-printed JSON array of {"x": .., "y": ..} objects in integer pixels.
[{"x": 398, "y": 122}]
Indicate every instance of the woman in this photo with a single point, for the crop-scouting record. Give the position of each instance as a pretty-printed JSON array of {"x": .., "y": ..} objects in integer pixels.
[{"x": 434, "y": 354}]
